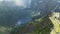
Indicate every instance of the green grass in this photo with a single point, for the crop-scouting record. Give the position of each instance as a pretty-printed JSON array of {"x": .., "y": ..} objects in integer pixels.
[
  {"x": 5, "y": 30},
  {"x": 41, "y": 26}
]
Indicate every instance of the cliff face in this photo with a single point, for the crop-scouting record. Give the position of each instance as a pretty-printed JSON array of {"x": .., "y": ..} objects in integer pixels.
[{"x": 56, "y": 22}]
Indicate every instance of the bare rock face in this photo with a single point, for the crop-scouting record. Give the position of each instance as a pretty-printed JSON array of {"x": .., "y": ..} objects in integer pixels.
[
  {"x": 56, "y": 15},
  {"x": 56, "y": 22}
]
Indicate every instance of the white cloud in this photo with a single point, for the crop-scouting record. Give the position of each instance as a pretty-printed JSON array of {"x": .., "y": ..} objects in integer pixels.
[
  {"x": 58, "y": 1},
  {"x": 19, "y": 2},
  {"x": 1, "y": 0}
]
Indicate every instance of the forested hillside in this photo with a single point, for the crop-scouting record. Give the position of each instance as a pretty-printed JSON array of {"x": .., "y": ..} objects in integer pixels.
[
  {"x": 37, "y": 26},
  {"x": 27, "y": 16}
]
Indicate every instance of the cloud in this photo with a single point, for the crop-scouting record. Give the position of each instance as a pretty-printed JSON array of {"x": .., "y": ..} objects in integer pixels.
[{"x": 20, "y": 3}]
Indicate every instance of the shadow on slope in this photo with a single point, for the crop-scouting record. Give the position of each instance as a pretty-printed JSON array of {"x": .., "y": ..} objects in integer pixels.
[{"x": 38, "y": 26}]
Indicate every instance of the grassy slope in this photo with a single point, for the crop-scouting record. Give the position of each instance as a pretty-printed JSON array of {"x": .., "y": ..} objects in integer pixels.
[
  {"x": 38, "y": 26},
  {"x": 43, "y": 26}
]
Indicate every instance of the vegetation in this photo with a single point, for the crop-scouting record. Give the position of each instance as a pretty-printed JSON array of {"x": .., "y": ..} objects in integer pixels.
[
  {"x": 40, "y": 23},
  {"x": 5, "y": 30},
  {"x": 38, "y": 26}
]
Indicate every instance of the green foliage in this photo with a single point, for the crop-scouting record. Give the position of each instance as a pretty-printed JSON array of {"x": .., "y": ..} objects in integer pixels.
[
  {"x": 5, "y": 30},
  {"x": 40, "y": 26},
  {"x": 43, "y": 27}
]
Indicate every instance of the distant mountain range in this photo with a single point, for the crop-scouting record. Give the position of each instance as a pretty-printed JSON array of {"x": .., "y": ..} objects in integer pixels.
[{"x": 10, "y": 13}]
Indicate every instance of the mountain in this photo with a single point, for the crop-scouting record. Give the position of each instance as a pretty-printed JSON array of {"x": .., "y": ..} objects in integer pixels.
[{"x": 37, "y": 26}]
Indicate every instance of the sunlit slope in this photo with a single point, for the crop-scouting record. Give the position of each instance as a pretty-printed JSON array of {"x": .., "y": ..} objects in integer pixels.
[{"x": 56, "y": 24}]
